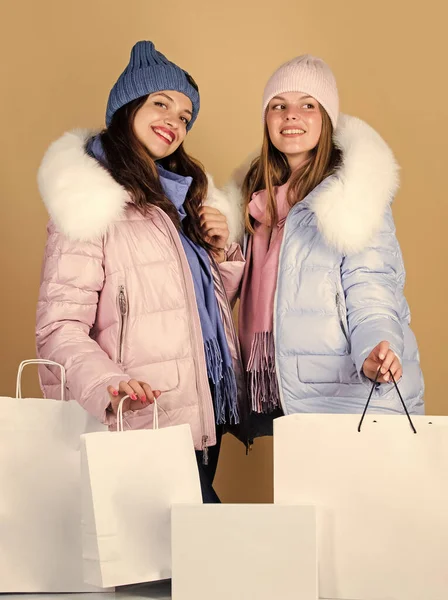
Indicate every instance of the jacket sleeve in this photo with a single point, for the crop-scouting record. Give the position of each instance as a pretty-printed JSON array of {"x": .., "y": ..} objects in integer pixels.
[
  {"x": 232, "y": 271},
  {"x": 72, "y": 278},
  {"x": 373, "y": 280}
]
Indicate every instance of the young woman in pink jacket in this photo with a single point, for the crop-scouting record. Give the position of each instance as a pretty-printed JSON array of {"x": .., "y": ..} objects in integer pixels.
[{"x": 132, "y": 298}]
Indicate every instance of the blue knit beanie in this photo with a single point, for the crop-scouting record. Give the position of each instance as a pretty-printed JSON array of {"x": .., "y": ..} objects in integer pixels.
[{"x": 149, "y": 71}]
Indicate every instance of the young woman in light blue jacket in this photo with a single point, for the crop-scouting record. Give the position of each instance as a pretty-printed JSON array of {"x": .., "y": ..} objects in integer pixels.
[{"x": 322, "y": 312}]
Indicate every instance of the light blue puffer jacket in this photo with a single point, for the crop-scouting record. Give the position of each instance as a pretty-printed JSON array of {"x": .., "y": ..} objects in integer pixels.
[{"x": 340, "y": 287}]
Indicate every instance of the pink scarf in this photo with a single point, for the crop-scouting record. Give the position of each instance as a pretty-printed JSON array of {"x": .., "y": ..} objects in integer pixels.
[{"x": 257, "y": 301}]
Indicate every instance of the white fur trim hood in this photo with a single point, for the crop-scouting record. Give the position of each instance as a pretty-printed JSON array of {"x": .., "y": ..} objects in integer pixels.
[
  {"x": 83, "y": 199},
  {"x": 350, "y": 208}
]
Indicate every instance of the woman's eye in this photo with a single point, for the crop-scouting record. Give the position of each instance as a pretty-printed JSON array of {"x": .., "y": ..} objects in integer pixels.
[
  {"x": 308, "y": 106},
  {"x": 160, "y": 104},
  {"x": 185, "y": 120},
  {"x": 278, "y": 107}
]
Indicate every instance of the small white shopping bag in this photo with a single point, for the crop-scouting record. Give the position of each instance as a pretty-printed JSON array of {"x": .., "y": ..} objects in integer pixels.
[
  {"x": 130, "y": 481},
  {"x": 40, "y": 491},
  {"x": 381, "y": 492},
  {"x": 244, "y": 551}
]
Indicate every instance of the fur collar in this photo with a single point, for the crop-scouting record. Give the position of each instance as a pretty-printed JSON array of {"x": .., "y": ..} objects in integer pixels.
[
  {"x": 351, "y": 205},
  {"x": 83, "y": 199}
]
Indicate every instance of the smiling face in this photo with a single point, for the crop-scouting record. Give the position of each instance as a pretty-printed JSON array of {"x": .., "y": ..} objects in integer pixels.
[
  {"x": 161, "y": 122},
  {"x": 294, "y": 122}
]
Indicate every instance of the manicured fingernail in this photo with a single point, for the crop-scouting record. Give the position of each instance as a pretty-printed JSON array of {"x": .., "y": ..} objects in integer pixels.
[
  {"x": 133, "y": 397},
  {"x": 115, "y": 393},
  {"x": 386, "y": 377},
  {"x": 143, "y": 398},
  {"x": 157, "y": 393},
  {"x": 382, "y": 357},
  {"x": 383, "y": 370}
]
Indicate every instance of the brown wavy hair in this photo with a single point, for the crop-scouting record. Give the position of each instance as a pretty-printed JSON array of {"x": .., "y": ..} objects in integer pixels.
[
  {"x": 271, "y": 169},
  {"x": 131, "y": 165}
]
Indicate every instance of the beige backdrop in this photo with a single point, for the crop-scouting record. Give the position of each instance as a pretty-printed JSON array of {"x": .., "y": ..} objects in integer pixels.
[{"x": 59, "y": 60}]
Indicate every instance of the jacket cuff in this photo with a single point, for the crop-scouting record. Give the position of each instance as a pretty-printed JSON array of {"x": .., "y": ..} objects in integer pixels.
[
  {"x": 362, "y": 347},
  {"x": 232, "y": 270},
  {"x": 97, "y": 400},
  {"x": 234, "y": 253}
]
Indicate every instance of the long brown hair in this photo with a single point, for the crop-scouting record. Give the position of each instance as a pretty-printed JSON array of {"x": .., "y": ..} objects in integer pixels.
[
  {"x": 131, "y": 165},
  {"x": 271, "y": 169}
]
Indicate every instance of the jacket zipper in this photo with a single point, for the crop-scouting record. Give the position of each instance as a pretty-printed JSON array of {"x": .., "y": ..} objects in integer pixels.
[
  {"x": 303, "y": 203},
  {"x": 340, "y": 308},
  {"x": 123, "y": 311},
  {"x": 274, "y": 323},
  {"x": 193, "y": 334}
]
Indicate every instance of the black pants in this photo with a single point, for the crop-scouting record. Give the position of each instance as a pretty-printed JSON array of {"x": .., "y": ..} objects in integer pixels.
[{"x": 207, "y": 472}]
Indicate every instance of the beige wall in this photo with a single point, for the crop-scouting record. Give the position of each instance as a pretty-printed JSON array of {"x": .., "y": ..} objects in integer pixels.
[{"x": 59, "y": 60}]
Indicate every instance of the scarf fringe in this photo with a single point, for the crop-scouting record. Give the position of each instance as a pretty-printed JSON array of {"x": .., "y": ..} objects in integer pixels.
[
  {"x": 262, "y": 378},
  {"x": 225, "y": 389}
]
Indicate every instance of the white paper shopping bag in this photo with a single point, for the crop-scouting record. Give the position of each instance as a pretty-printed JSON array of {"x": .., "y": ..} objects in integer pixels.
[
  {"x": 130, "y": 481},
  {"x": 40, "y": 491},
  {"x": 381, "y": 492},
  {"x": 242, "y": 551}
]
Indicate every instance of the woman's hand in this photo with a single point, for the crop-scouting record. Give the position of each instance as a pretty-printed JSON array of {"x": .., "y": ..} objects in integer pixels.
[
  {"x": 215, "y": 229},
  {"x": 140, "y": 395},
  {"x": 383, "y": 359}
]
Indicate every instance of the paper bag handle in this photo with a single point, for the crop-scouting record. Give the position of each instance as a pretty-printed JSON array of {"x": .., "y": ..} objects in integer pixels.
[
  {"x": 399, "y": 395},
  {"x": 155, "y": 420},
  {"x": 38, "y": 361}
]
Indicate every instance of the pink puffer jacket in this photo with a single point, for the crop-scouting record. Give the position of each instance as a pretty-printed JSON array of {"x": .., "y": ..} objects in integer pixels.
[{"x": 117, "y": 299}]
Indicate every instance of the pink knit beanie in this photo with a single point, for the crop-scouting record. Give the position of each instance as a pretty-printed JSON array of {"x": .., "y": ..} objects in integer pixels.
[{"x": 308, "y": 75}]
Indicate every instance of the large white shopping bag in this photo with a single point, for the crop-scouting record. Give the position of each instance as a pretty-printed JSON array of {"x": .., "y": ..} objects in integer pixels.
[
  {"x": 130, "y": 481},
  {"x": 40, "y": 491},
  {"x": 244, "y": 551},
  {"x": 382, "y": 496}
]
